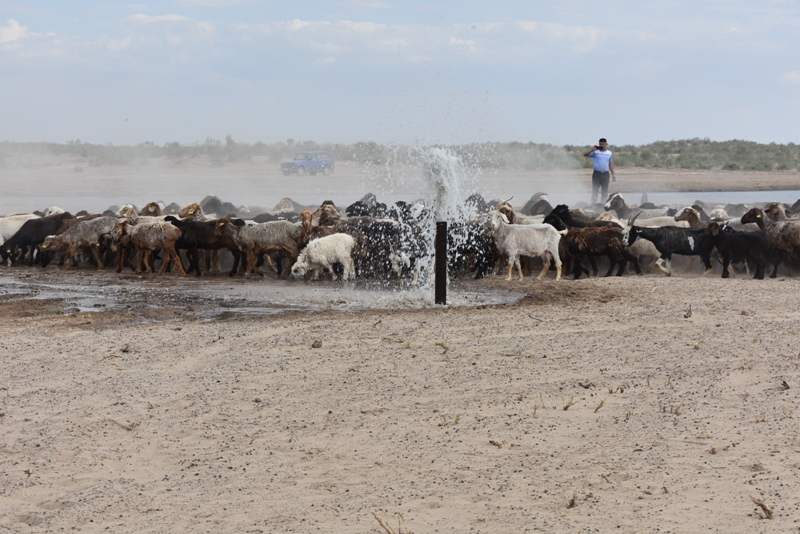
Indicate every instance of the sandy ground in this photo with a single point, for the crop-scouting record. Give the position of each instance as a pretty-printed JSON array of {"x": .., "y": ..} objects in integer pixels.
[
  {"x": 588, "y": 406},
  {"x": 584, "y": 406}
]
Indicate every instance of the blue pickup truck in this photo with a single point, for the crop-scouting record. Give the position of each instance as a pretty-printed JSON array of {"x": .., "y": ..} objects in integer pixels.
[{"x": 309, "y": 162}]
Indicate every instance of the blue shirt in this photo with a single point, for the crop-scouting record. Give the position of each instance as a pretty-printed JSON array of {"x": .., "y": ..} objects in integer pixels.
[{"x": 601, "y": 159}]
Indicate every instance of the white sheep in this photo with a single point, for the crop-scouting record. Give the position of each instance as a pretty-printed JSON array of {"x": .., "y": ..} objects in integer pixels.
[
  {"x": 527, "y": 240},
  {"x": 323, "y": 253},
  {"x": 720, "y": 214},
  {"x": 10, "y": 225}
]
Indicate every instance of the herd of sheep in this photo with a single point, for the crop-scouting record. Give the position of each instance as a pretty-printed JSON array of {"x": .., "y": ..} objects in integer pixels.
[{"x": 372, "y": 240}]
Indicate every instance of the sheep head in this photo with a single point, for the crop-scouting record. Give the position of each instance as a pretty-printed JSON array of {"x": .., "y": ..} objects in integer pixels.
[
  {"x": 754, "y": 215},
  {"x": 152, "y": 209},
  {"x": 192, "y": 211}
]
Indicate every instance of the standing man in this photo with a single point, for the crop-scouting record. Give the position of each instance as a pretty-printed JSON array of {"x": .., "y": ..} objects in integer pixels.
[{"x": 603, "y": 166}]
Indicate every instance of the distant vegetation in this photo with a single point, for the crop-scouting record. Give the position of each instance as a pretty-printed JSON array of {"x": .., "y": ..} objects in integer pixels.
[{"x": 682, "y": 154}]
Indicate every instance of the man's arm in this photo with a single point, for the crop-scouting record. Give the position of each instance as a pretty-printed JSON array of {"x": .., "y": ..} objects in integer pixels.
[
  {"x": 586, "y": 154},
  {"x": 613, "y": 174}
]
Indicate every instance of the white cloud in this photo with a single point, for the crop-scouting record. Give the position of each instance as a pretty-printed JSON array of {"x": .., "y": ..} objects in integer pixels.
[
  {"x": 174, "y": 29},
  {"x": 13, "y": 31},
  {"x": 791, "y": 77},
  {"x": 373, "y": 41},
  {"x": 115, "y": 45},
  {"x": 581, "y": 38}
]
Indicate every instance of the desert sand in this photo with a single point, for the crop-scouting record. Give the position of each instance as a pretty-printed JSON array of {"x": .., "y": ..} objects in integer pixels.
[{"x": 595, "y": 405}]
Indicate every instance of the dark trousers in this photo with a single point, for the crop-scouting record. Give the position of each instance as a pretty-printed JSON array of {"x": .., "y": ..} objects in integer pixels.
[{"x": 600, "y": 183}]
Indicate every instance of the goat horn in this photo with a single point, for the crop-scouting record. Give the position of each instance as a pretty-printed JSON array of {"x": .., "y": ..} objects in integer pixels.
[
  {"x": 630, "y": 223},
  {"x": 509, "y": 199}
]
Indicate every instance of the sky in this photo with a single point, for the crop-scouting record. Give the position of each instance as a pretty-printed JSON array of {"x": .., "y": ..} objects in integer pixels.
[{"x": 451, "y": 72}]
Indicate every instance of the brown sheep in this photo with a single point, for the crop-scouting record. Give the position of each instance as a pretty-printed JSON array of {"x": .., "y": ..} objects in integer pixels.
[
  {"x": 150, "y": 236},
  {"x": 151, "y": 209}
]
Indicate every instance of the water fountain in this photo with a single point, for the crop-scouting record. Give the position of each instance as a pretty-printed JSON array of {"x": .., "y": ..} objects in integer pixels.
[{"x": 440, "y": 171}]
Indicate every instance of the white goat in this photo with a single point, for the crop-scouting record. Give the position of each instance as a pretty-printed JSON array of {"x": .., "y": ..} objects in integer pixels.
[
  {"x": 528, "y": 240},
  {"x": 323, "y": 253}
]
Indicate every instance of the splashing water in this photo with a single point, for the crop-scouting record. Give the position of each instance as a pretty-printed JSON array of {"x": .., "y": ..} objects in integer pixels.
[{"x": 441, "y": 173}]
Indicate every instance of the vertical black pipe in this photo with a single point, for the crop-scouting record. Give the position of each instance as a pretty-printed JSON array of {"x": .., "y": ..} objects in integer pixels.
[{"x": 440, "y": 296}]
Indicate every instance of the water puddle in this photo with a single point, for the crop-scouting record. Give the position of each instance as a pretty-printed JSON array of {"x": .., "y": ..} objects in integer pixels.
[{"x": 215, "y": 298}]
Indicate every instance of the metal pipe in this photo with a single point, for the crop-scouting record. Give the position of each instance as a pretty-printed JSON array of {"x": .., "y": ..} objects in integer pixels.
[{"x": 441, "y": 263}]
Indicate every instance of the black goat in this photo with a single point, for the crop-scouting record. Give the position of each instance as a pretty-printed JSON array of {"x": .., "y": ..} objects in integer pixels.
[
  {"x": 671, "y": 240},
  {"x": 753, "y": 245}
]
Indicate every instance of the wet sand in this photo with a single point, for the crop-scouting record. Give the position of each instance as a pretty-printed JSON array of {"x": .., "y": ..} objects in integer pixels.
[{"x": 577, "y": 406}]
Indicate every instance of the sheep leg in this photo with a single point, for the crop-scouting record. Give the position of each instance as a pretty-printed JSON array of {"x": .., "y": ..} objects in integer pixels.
[
  {"x": 622, "y": 264},
  {"x": 70, "y": 258},
  {"x": 149, "y": 261},
  {"x": 121, "y": 253},
  {"x": 270, "y": 264},
  {"x": 193, "y": 254},
  {"x": 774, "y": 273},
  {"x": 577, "y": 268},
  {"x": 546, "y": 260},
  {"x": 215, "y": 265},
  {"x": 96, "y": 252},
  {"x": 349, "y": 270},
  {"x": 594, "y": 266},
  {"x": 165, "y": 262},
  {"x": 660, "y": 264},
  {"x": 171, "y": 255},
  {"x": 246, "y": 263},
  {"x": 177, "y": 258},
  {"x": 326, "y": 266},
  {"x": 291, "y": 254},
  {"x": 237, "y": 257},
  {"x": 510, "y": 267},
  {"x": 517, "y": 265},
  {"x": 633, "y": 259},
  {"x": 612, "y": 262},
  {"x": 761, "y": 264},
  {"x": 141, "y": 261},
  {"x": 726, "y": 263},
  {"x": 211, "y": 261}
]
